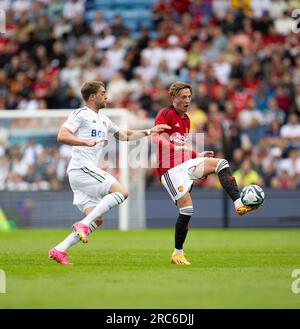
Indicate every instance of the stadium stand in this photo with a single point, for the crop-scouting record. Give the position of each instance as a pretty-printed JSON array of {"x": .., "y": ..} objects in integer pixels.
[{"x": 243, "y": 62}]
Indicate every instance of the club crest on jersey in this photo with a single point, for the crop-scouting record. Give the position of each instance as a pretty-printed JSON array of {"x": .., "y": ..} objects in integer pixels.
[
  {"x": 177, "y": 125},
  {"x": 180, "y": 188},
  {"x": 104, "y": 124}
]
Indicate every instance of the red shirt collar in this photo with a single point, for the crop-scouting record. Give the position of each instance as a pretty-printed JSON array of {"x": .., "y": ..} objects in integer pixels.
[{"x": 181, "y": 117}]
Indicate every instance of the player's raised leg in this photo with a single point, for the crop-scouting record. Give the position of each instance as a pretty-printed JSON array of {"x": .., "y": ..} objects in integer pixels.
[
  {"x": 185, "y": 207},
  {"x": 228, "y": 182},
  {"x": 117, "y": 195}
]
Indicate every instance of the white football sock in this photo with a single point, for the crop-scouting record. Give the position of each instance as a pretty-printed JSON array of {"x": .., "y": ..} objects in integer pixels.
[
  {"x": 74, "y": 239},
  {"x": 178, "y": 251},
  {"x": 237, "y": 202},
  {"x": 109, "y": 201}
]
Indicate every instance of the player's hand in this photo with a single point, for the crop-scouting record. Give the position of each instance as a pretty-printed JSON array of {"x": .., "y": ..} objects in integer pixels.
[
  {"x": 90, "y": 143},
  {"x": 159, "y": 128},
  {"x": 93, "y": 142},
  {"x": 207, "y": 154}
]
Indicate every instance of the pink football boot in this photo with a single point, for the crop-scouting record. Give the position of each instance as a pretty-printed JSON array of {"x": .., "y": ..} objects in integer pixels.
[
  {"x": 82, "y": 231},
  {"x": 60, "y": 257}
]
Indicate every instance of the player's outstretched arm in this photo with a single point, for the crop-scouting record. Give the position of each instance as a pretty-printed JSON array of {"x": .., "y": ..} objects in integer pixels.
[
  {"x": 65, "y": 136},
  {"x": 126, "y": 135}
]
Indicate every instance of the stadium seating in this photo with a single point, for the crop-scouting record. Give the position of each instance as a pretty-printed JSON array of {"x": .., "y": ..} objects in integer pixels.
[{"x": 134, "y": 13}]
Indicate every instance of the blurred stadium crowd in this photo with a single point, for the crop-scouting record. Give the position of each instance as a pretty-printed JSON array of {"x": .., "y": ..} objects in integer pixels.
[{"x": 241, "y": 57}]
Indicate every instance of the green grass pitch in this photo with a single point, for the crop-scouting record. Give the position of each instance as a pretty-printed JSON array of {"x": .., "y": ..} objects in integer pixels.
[{"x": 236, "y": 268}]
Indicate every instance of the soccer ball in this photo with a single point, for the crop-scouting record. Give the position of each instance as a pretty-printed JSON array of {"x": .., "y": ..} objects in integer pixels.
[{"x": 252, "y": 196}]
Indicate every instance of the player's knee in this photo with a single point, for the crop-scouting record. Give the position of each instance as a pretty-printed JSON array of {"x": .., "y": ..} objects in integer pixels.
[
  {"x": 221, "y": 164},
  {"x": 123, "y": 192},
  {"x": 119, "y": 189},
  {"x": 187, "y": 211}
]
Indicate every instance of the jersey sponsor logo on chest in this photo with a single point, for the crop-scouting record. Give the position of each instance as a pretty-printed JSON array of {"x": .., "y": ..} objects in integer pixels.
[
  {"x": 178, "y": 138},
  {"x": 99, "y": 132}
]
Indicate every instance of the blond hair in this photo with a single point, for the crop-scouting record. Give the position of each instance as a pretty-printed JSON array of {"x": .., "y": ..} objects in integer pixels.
[
  {"x": 89, "y": 88},
  {"x": 177, "y": 86}
]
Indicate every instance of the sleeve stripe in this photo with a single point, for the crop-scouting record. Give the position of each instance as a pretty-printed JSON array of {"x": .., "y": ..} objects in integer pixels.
[{"x": 79, "y": 111}]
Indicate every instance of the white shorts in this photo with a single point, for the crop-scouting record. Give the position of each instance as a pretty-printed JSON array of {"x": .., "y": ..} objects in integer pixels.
[
  {"x": 89, "y": 186},
  {"x": 177, "y": 180}
]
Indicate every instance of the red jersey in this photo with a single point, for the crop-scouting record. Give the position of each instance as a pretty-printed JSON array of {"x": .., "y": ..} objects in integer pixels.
[{"x": 167, "y": 157}]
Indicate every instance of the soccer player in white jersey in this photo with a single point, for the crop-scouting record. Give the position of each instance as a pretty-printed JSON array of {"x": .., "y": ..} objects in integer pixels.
[{"x": 95, "y": 191}]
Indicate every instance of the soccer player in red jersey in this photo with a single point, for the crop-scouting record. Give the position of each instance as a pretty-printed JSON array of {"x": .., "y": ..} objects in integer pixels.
[{"x": 179, "y": 166}]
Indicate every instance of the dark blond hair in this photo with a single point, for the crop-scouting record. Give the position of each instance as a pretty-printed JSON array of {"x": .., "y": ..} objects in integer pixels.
[
  {"x": 177, "y": 86},
  {"x": 89, "y": 88}
]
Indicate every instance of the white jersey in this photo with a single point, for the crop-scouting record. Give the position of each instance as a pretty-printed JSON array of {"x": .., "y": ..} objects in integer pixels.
[{"x": 86, "y": 124}]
